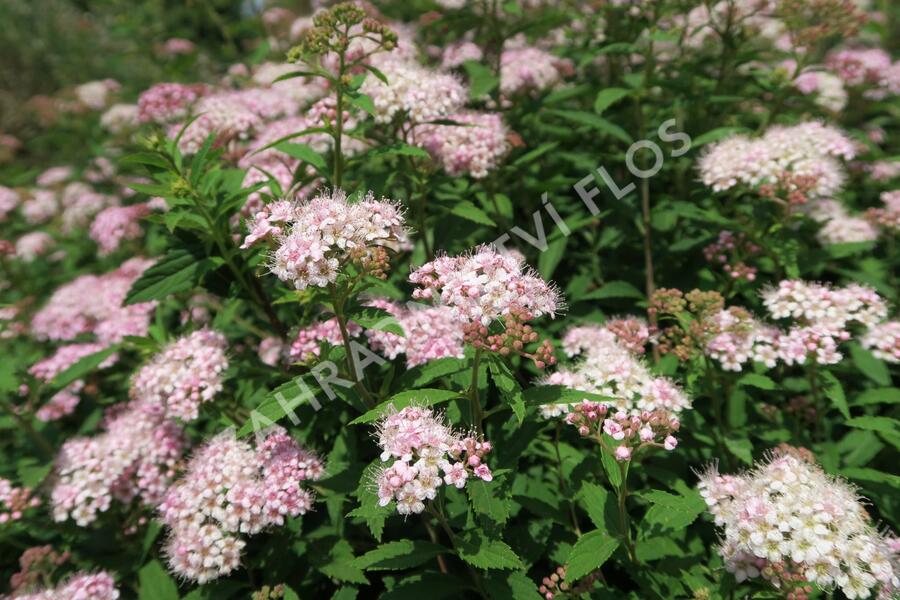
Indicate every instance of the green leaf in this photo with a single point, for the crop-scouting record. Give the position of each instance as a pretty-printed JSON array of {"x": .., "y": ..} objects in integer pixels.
[
  {"x": 613, "y": 289},
  {"x": 434, "y": 586},
  {"x": 509, "y": 388},
  {"x": 873, "y": 423},
  {"x": 484, "y": 553},
  {"x": 871, "y": 367},
  {"x": 589, "y": 553},
  {"x": 398, "y": 555},
  {"x": 671, "y": 511},
  {"x": 378, "y": 319},
  {"x": 740, "y": 447},
  {"x": 155, "y": 583},
  {"x": 515, "y": 585},
  {"x": 595, "y": 122},
  {"x": 400, "y": 149},
  {"x": 535, "y": 154},
  {"x": 596, "y": 500},
  {"x": 422, "y": 397},
  {"x": 85, "y": 365},
  {"x": 467, "y": 210},
  {"x": 835, "y": 393},
  {"x": 878, "y": 396},
  {"x": 369, "y": 510},
  {"x": 364, "y": 102},
  {"x": 558, "y": 394},
  {"x": 180, "y": 270},
  {"x": 424, "y": 374},
  {"x": 278, "y": 404},
  {"x": 303, "y": 152},
  {"x": 872, "y": 475},
  {"x": 608, "y": 97},
  {"x": 549, "y": 258},
  {"x": 758, "y": 381},
  {"x": 486, "y": 500},
  {"x": 611, "y": 467},
  {"x": 481, "y": 79},
  {"x": 714, "y": 135}
]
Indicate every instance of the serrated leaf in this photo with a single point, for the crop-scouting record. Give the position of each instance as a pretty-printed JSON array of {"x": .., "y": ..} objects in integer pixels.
[
  {"x": 875, "y": 423},
  {"x": 378, "y": 319},
  {"x": 740, "y": 447},
  {"x": 485, "y": 500},
  {"x": 878, "y": 396},
  {"x": 484, "y": 553},
  {"x": 398, "y": 555},
  {"x": 589, "y": 553},
  {"x": 424, "y": 374},
  {"x": 178, "y": 271},
  {"x": 509, "y": 388},
  {"x": 278, "y": 404},
  {"x": 559, "y": 394},
  {"x": 835, "y": 392},
  {"x": 515, "y": 585},
  {"x": 595, "y": 122},
  {"x": 596, "y": 500},
  {"x": 369, "y": 510},
  {"x": 422, "y": 397},
  {"x": 467, "y": 210},
  {"x": 608, "y": 97}
]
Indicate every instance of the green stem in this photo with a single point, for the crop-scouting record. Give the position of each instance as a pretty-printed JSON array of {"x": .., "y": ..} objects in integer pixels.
[
  {"x": 42, "y": 443},
  {"x": 623, "y": 514},
  {"x": 477, "y": 415},
  {"x": 336, "y": 179},
  {"x": 338, "y": 305},
  {"x": 562, "y": 482}
]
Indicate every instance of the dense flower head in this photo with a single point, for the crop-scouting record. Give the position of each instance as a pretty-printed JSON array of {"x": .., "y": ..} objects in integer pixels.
[
  {"x": 823, "y": 305},
  {"x": 116, "y": 224},
  {"x": 887, "y": 216},
  {"x": 530, "y": 70},
  {"x": 737, "y": 338},
  {"x": 802, "y": 156},
  {"x": 307, "y": 343},
  {"x": 119, "y": 118},
  {"x": 224, "y": 116},
  {"x": 870, "y": 68},
  {"x": 828, "y": 89},
  {"x": 93, "y": 304},
  {"x": 416, "y": 93},
  {"x": 40, "y": 206},
  {"x": 884, "y": 341},
  {"x": 185, "y": 374},
  {"x": 329, "y": 231},
  {"x": 55, "y": 176},
  {"x": 80, "y": 586},
  {"x": 32, "y": 245},
  {"x": 422, "y": 446},
  {"x": 136, "y": 456},
  {"x": 485, "y": 285},
  {"x": 168, "y": 102},
  {"x": 611, "y": 366},
  {"x": 231, "y": 489},
  {"x": 787, "y": 516},
  {"x": 457, "y": 53},
  {"x": 630, "y": 434},
  {"x": 430, "y": 332},
  {"x": 64, "y": 401},
  {"x": 474, "y": 147},
  {"x": 632, "y": 333}
]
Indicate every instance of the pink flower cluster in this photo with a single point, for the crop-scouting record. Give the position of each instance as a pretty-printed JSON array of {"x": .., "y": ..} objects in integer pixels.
[
  {"x": 185, "y": 374},
  {"x": 32, "y": 245},
  {"x": 422, "y": 446},
  {"x": 223, "y": 116},
  {"x": 136, "y": 456},
  {"x": 783, "y": 155},
  {"x": 93, "y": 304},
  {"x": 328, "y": 232},
  {"x": 81, "y": 586},
  {"x": 231, "y": 489},
  {"x": 9, "y": 200},
  {"x": 474, "y": 147},
  {"x": 530, "y": 70},
  {"x": 611, "y": 367},
  {"x": 871, "y": 68},
  {"x": 484, "y": 286},
  {"x": 14, "y": 501},
  {"x": 413, "y": 92},
  {"x": 838, "y": 225},
  {"x": 168, "y": 102},
  {"x": 823, "y": 305},
  {"x": 884, "y": 341},
  {"x": 307, "y": 345},
  {"x": 787, "y": 521},
  {"x": 430, "y": 332},
  {"x": 630, "y": 433},
  {"x": 116, "y": 224}
]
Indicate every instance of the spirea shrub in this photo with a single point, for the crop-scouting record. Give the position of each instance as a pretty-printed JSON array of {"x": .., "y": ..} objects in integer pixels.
[{"x": 454, "y": 299}]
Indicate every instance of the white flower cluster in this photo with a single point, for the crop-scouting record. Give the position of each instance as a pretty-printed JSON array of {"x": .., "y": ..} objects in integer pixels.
[{"x": 788, "y": 521}]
